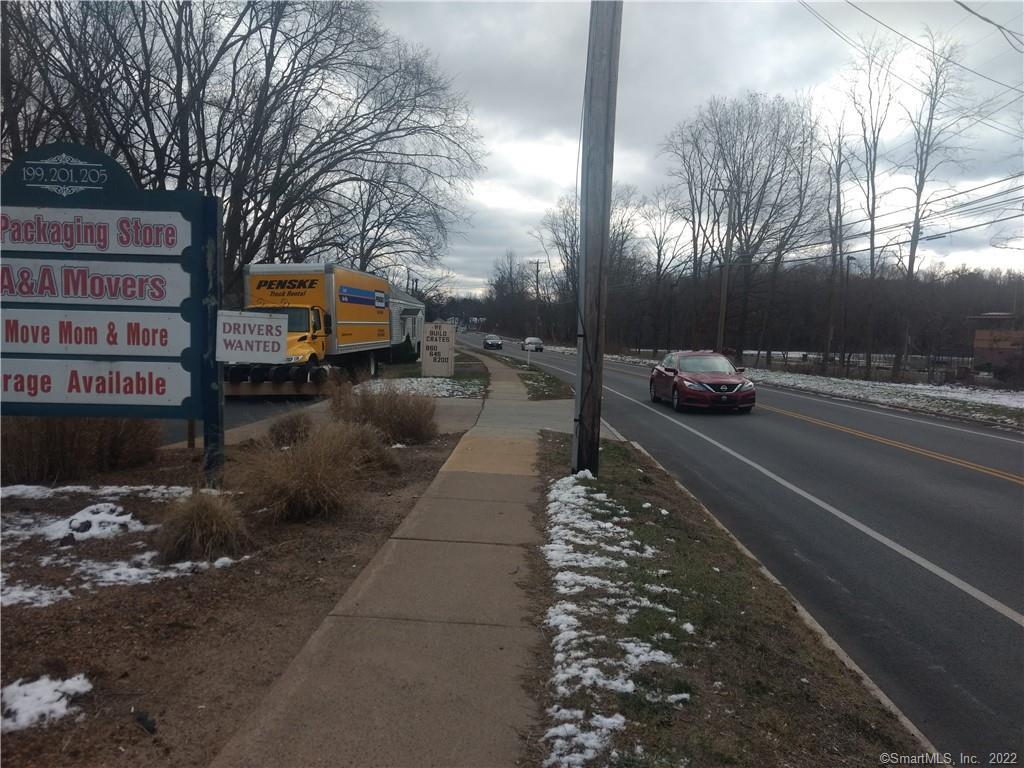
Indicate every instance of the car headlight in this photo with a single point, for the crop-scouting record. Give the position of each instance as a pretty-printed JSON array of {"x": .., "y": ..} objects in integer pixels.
[
  {"x": 746, "y": 386},
  {"x": 692, "y": 384}
]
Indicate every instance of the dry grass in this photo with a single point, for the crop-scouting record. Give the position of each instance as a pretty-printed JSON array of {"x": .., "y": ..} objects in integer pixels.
[
  {"x": 401, "y": 418},
  {"x": 764, "y": 689},
  {"x": 49, "y": 450},
  {"x": 292, "y": 428},
  {"x": 323, "y": 475},
  {"x": 202, "y": 527}
]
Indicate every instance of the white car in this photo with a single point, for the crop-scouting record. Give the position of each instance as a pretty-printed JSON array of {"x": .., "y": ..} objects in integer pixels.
[{"x": 533, "y": 344}]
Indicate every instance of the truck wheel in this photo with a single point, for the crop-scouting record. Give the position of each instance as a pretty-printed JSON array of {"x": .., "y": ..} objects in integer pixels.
[
  {"x": 303, "y": 373},
  {"x": 319, "y": 375},
  {"x": 236, "y": 374},
  {"x": 258, "y": 374}
]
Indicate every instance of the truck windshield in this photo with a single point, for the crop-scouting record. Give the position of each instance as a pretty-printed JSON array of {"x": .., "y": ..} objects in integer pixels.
[{"x": 298, "y": 317}]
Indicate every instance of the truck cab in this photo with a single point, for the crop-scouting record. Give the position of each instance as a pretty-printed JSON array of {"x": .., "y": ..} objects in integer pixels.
[{"x": 308, "y": 330}]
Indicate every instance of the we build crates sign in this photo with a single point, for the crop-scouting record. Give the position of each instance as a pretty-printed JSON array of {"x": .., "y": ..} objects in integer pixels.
[
  {"x": 439, "y": 349},
  {"x": 106, "y": 290}
]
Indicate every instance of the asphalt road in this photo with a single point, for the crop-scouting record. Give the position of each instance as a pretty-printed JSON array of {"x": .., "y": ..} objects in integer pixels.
[{"x": 903, "y": 535}]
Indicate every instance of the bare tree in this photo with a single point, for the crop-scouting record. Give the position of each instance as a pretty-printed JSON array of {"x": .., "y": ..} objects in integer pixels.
[
  {"x": 662, "y": 226},
  {"x": 695, "y": 165},
  {"x": 871, "y": 95},
  {"x": 936, "y": 120},
  {"x": 834, "y": 158},
  {"x": 317, "y": 129},
  {"x": 800, "y": 202}
]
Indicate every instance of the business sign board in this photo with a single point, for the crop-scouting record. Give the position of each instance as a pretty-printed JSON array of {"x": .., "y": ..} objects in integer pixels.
[
  {"x": 108, "y": 293},
  {"x": 439, "y": 349},
  {"x": 252, "y": 337}
]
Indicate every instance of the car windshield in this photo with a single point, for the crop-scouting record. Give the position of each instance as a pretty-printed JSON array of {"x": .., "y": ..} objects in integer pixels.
[
  {"x": 298, "y": 317},
  {"x": 705, "y": 365},
  {"x": 533, "y": 340},
  {"x": 492, "y": 338}
]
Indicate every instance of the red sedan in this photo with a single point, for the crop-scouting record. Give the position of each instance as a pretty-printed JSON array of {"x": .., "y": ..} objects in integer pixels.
[{"x": 701, "y": 380}]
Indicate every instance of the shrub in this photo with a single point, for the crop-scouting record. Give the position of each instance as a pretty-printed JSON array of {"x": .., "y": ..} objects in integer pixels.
[
  {"x": 322, "y": 475},
  {"x": 49, "y": 450},
  {"x": 202, "y": 527},
  {"x": 404, "y": 352},
  {"x": 290, "y": 429},
  {"x": 401, "y": 417}
]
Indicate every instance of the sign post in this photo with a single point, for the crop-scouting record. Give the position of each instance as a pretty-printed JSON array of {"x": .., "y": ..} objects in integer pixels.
[
  {"x": 109, "y": 295},
  {"x": 439, "y": 350}
]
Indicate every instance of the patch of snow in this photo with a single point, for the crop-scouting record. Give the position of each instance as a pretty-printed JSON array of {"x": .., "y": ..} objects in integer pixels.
[
  {"x": 946, "y": 399},
  {"x": 584, "y": 528},
  {"x": 659, "y": 589},
  {"x": 93, "y": 574},
  {"x": 97, "y": 521},
  {"x": 427, "y": 386},
  {"x": 32, "y": 595},
  {"x": 677, "y": 697},
  {"x": 397, "y": 445},
  {"x": 39, "y": 702},
  {"x": 646, "y": 505},
  {"x": 154, "y": 492},
  {"x": 688, "y": 628}
]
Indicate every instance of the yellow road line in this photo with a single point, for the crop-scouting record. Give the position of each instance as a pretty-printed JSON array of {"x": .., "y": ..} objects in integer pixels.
[{"x": 1018, "y": 479}]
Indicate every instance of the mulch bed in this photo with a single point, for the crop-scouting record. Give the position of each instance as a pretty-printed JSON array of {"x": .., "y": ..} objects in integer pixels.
[{"x": 192, "y": 655}]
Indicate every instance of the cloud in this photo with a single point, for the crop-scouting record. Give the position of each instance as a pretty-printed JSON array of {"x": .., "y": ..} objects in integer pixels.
[{"x": 522, "y": 66}]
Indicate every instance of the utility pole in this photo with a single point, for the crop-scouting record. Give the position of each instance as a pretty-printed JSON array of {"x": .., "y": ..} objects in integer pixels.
[
  {"x": 723, "y": 299},
  {"x": 536, "y": 297},
  {"x": 596, "y": 201}
]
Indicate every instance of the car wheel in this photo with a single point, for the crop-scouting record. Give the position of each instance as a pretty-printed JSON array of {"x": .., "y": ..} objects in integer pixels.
[
  {"x": 654, "y": 397},
  {"x": 676, "y": 403}
]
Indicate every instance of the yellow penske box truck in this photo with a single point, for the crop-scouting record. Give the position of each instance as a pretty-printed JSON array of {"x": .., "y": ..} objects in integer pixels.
[{"x": 336, "y": 317}]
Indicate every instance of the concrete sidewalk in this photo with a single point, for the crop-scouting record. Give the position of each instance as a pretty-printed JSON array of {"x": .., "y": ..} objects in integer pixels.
[{"x": 422, "y": 661}]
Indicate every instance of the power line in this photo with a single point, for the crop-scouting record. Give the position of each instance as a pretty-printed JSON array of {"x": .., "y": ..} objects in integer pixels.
[
  {"x": 988, "y": 205},
  {"x": 940, "y": 199},
  {"x": 853, "y": 44},
  {"x": 929, "y": 50},
  {"x": 974, "y": 122},
  {"x": 924, "y": 221},
  {"x": 936, "y": 237},
  {"x": 1008, "y": 34},
  {"x": 787, "y": 261}
]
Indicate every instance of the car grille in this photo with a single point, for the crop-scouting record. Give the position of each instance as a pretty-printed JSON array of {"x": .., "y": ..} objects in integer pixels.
[{"x": 717, "y": 388}]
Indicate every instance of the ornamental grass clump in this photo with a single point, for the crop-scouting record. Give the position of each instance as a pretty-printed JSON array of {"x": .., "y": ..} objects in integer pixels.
[
  {"x": 203, "y": 527},
  {"x": 322, "y": 475},
  {"x": 290, "y": 429},
  {"x": 401, "y": 417}
]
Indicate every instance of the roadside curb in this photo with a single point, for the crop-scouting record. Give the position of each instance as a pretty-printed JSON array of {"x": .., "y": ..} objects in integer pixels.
[{"x": 827, "y": 640}]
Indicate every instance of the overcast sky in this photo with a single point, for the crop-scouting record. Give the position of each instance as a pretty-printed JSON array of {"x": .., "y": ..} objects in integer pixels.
[{"x": 521, "y": 66}]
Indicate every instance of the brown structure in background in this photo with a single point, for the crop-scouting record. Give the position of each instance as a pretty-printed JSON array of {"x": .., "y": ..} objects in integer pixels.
[{"x": 999, "y": 344}]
